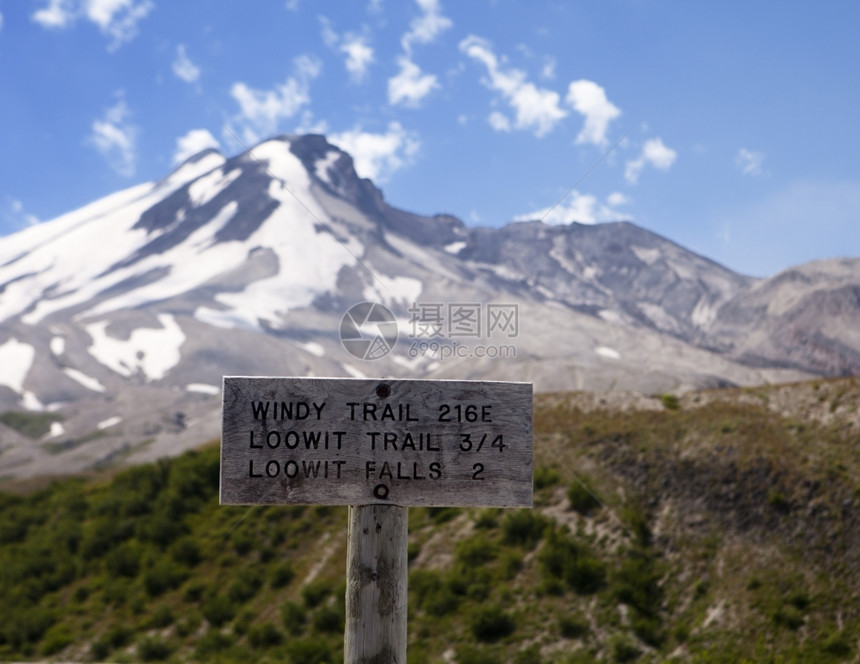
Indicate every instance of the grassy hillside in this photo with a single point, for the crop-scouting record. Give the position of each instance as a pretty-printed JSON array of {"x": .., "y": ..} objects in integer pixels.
[{"x": 718, "y": 527}]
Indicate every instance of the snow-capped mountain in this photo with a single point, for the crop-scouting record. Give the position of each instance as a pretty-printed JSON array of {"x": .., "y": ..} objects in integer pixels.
[{"x": 118, "y": 320}]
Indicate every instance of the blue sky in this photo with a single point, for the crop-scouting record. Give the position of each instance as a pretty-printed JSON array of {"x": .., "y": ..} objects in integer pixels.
[{"x": 739, "y": 120}]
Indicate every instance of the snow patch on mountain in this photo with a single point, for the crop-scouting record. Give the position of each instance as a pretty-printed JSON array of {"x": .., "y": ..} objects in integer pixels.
[
  {"x": 313, "y": 348},
  {"x": 87, "y": 381},
  {"x": 57, "y": 429},
  {"x": 455, "y": 247},
  {"x": 647, "y": 256},
  {"x": 16, "y": 359},
  {"x": 610, "y": 316},
  {"x": 704, "y": 313},
  {"x": 207, "y": 187},
  {"x": 154, "y": 352},
  {"x": 192, "y": 169},
  {"x": 393, "y": 290},
  {"x": 30, "y": 401},
  {"x": 607, "y": 352},
  {"x": 203, "y": 388},
  {"x": 190, "y": 265},
  {"x": 76, "y": 267},
  {"x": 322, "y": 166},
  {"x": 58, "y": 345},
  {"x": 108, "y": 423},
  {"x": 309, "y": 259},
  {"x": 352, "y": 371},
  {"x": 30, "y": 238}
]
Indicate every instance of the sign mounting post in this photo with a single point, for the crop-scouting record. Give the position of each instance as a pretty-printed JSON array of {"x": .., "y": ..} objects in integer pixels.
[{"x": 378, "y": 446}]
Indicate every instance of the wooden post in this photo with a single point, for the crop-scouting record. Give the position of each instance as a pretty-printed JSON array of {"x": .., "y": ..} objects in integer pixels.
[{"x": 376, "y": 585}]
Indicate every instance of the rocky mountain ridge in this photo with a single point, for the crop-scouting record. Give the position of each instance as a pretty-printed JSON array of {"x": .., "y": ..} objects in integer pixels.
[{"x": 118, "y": 320}]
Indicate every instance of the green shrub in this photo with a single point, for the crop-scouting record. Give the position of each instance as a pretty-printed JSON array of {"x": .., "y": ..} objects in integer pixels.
[
  {"x": 315, "y": 592},
  {"x": 432, "y": 592},
  {"x": 294, "y": 617},
  {"x": 571, "y": 627},
  {"x": 582, "y": 497},
  {"x": 218, "y": 610},
  {"x": 468, "y": 654},
  {"x": 32, "y": 425},
  {"x": 186, "y": 551},
  {"x": 329, "y": 619},
  {"x": 265, "y": 635},
  {"x": 838, "y": 645},
  {"x": 310, "y": 651},
  {"x": 243, "y": 542},
  {"x": 164, "y": 575},
  {"x": 623, "y": 649},
  {"x": 124, "y": 560},
  {"x": 153, "y": 649},
  {"x": 25, "y": 626},
  {"x": 491, "y": 623},
  {"x": 523, "y": 528},
  {"x": 56, "y": 639},
  {"x": 563, "y": 559},
  {"x": 160, "y": 529},
  {"x": 487, "y": 519},
  {"x": 545, "y": 477},
  {"x": 788, "y": 616},
  {"x": 442, "y": 514},
  {"x": 511, "y": 564},
  {"x": 245, "y": 585},
  {"x": 282, "y": 574},
  {"x": 530, "y": 655},
  {"x": 474, "y": 551},
  {"x": 670, "y": 401},
  {"x": 161, "y": 617},
  {"x": 213, "y": 642}
]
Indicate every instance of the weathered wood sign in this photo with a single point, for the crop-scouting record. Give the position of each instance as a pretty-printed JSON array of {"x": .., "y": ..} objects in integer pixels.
[{"x": 349, "y": 441}]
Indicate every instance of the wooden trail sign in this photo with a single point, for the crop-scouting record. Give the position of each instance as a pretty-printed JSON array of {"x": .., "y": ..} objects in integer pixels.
[
  {"x": 350, "y": 441},
  {"x": 377, "y": 446}
]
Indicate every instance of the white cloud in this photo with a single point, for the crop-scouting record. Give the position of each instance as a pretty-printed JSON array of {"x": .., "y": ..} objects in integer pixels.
[
  {"x": 261, "y": 111},
  {"x": 548, "y": 71},
  {"x": 378, "y": 156},
  {"x": 536, "y": 109},
  {"x": 616, "y": 199},
  {"x": 576, "y": 207},
  {"x": 183, "y": 67},
  {"x": 359, "y": 56},
  {"x": 15, "y": 216},
  {"x": 589, "y": 99},
  {"x": 654, "y": 153},
  {"x": 749, "y": 162},
  {"x": 115, "y": 138},
  {"x": 429, "y": 25},
  {"x": 499, "y": 122},
  {"x": 194, "y": 142},
  {"x": 116, "y": 19},
  {"x": 57, "y": 14},
  {"x": 293, "y": 5},
  {"x": 1, "y": 21},
  {"x": 329, "y": 36},
  {"x": 411, "y": 85}
]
